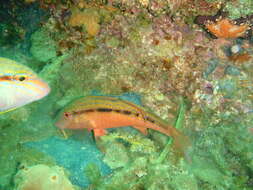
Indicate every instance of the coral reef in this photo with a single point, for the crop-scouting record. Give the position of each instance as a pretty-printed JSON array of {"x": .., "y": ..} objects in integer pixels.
[{"x": 158, "y": 49}]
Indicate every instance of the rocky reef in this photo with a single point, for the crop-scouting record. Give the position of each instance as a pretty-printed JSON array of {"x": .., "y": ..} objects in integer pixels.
[{"x": 169, "y": 54}]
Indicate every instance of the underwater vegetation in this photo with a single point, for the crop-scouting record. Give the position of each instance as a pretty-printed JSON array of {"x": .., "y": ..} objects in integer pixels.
[{"x": 172, "y": 79}]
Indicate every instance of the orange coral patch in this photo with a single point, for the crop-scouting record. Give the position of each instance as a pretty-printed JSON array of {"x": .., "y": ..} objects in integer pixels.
[{"x": 224, "y": 28}]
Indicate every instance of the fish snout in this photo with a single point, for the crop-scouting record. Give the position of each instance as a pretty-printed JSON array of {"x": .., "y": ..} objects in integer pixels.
[
  {"x": 61, "y": 124},
  {"x": 42, "y": 89},
  {"x": 64, "y": 123},
  {"x": 38, "y": 88}
]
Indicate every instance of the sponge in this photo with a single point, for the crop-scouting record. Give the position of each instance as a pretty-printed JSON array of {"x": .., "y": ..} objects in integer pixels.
[{"x": 42, "y": 177}]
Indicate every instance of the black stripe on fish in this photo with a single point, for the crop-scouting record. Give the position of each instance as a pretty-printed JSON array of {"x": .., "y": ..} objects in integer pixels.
[
  {"x": 150, "y": 120},
  {"x": 104, "y": 110},
  {"x": 83, "y": 111},
  {"x": 126, "y": 112},
  {"x": 89, "y": 110}
]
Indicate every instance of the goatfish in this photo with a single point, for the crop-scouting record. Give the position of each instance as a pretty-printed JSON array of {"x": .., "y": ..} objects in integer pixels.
[
  {"x": 98, "y": 113},
  {"x": 19, "y": 85}
]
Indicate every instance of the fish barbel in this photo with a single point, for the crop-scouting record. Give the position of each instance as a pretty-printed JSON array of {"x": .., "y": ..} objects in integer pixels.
[{"x": 19, "y": 85}]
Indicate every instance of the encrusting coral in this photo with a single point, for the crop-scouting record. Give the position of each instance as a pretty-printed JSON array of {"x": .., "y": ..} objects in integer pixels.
[
  {"x": 88, "y": 18},
  {"x": 220, "y": 26},
  {"x": 224, "y": 28}
]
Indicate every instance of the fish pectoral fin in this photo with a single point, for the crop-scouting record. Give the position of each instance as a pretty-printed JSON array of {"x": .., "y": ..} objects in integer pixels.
[
  {"x": 99, "y": 132},
  {"x": 143, "y": 130}
]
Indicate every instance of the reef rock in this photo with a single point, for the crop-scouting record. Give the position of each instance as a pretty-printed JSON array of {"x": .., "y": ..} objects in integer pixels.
[{"x": 42, "y": 177}]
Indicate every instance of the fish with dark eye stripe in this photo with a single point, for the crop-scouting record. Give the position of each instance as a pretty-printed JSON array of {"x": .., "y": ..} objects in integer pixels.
[
  {"x": 19, "y": 85},
  {"x": 99, "y": 113}
]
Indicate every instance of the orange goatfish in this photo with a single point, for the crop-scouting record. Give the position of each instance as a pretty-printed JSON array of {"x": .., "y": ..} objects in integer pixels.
[
  {"x": 19, "y": 85},
  {"x": 98, "y": 113}
]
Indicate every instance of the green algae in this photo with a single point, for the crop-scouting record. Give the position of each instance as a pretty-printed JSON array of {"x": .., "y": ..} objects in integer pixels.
[
  {"x": 220, "y": 165},
  {"x": 112, "y": 42},
  {"x": 239, "y": 9},
  {"x": 15, "y": 155},
  {"x": 15, "y": 130},
  {"x": 94, "y": 175},
  {"x": 116, "y": 156},
  {"x": 236, "y": 9},
  {"x": 43, "y": 46}
]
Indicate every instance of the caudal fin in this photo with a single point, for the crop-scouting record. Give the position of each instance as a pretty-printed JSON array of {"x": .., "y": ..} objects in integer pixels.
[{"x": 181, "y": 143}]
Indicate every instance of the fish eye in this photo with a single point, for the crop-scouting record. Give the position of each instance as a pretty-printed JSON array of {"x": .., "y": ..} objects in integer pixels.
[
  {"x": 66, "y": 114},
  {"x": 22, "y": 78}
]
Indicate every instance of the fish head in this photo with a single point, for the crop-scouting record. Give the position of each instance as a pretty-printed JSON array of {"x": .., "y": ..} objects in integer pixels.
[
  {"x": 71, "y": 120},
  {"x": 73, "y": 116},
  {"x": 64, "y": 120},
  {"x": 19, "y": 85}
]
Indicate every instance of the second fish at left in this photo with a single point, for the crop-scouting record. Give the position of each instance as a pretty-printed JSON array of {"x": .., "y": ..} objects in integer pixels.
[{"x": 19, "y": 85}]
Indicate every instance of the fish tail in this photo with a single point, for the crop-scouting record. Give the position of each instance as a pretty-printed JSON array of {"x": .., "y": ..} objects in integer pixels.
[{"x": 181, "y": 143}]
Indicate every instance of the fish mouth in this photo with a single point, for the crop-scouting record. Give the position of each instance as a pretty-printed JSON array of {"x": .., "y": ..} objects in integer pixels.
[
  {"x": 61, "y": 124},
  {"x": 43, "y": 88}
]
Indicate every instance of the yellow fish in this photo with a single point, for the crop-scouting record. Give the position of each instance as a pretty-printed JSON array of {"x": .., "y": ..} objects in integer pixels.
[{"x": 19, "y": 85}]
